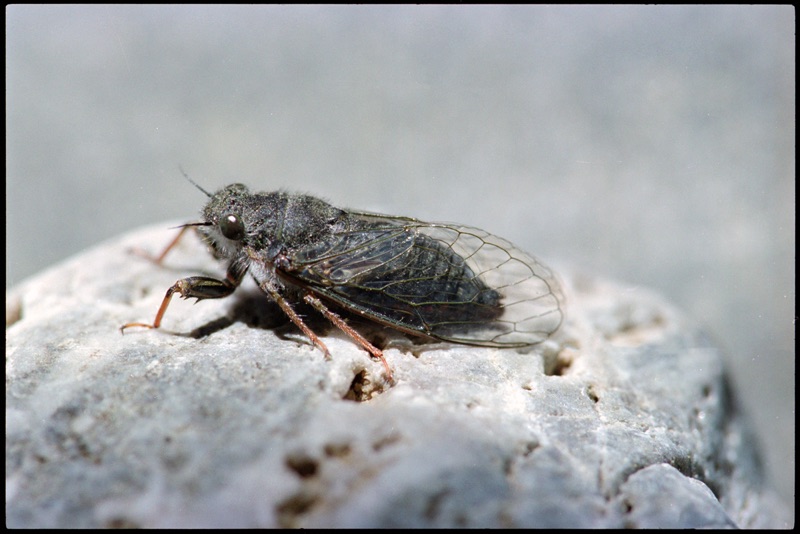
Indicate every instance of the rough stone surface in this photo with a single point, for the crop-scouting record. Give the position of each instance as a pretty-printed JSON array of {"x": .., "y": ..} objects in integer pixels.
[{"x": 229, "y": 418}]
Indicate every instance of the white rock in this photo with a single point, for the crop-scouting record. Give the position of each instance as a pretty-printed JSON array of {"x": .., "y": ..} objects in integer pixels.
[{"x": 623, "y": 419}]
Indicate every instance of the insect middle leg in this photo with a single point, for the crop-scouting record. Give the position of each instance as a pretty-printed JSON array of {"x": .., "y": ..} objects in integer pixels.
[
  {"x": 273, "y": 292},
  {"x": 270, "y": 289},
  {"x": 350, "y": 331}
]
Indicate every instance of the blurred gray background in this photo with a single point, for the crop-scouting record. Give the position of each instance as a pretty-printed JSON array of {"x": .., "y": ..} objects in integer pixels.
[{"x": 653, "y": 145}]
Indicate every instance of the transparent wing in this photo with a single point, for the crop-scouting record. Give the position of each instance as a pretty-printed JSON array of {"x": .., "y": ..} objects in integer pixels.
[{"x": 446, "y": 281}]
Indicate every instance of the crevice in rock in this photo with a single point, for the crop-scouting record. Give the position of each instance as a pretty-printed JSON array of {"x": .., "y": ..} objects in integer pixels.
[
  {"x": 559, "y": 367},
  {"x": 385, "y": 441},
  {"x": 302, "y": 464},
  {"x": 290, "y": 510},
  {"x": 432, "y": 509},
  {"x": 337, "y": 450},
  {"x": 362, "y": 388},
  {"x": 121, "y": 522}
]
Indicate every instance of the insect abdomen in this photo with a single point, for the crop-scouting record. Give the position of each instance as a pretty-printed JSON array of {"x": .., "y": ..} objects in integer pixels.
[{"x": 423, "y": 286}]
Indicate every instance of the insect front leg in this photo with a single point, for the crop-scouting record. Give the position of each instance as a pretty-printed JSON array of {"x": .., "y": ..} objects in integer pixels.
[
  {"x": 199, "y": 287},
  {"x": 160, "y": 258}
]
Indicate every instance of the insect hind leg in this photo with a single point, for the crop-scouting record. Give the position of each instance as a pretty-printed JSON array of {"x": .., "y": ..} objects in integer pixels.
[{"x": 347, "y": 329}]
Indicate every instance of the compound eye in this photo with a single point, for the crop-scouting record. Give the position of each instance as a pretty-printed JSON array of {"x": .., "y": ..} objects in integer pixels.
[{"x": 231, "y": 226}]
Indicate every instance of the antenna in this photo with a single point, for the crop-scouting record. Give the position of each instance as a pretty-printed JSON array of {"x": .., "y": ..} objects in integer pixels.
[{"x": 193, "y": 182}]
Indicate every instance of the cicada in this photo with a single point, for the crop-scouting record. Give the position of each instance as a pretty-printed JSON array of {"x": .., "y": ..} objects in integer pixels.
[{"x": 448, "y": 282}]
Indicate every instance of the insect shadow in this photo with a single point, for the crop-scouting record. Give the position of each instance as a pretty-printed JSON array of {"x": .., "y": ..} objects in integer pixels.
[{"x": 251, "y": 308}]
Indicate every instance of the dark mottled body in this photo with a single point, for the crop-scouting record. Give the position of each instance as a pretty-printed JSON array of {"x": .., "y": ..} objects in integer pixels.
[
  {"x": 445, "y": 281},
  {"x": 415, "y": 276}
]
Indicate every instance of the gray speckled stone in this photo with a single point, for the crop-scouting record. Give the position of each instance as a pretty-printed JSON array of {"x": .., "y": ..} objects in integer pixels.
[{"x": 623, "y": 419}]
